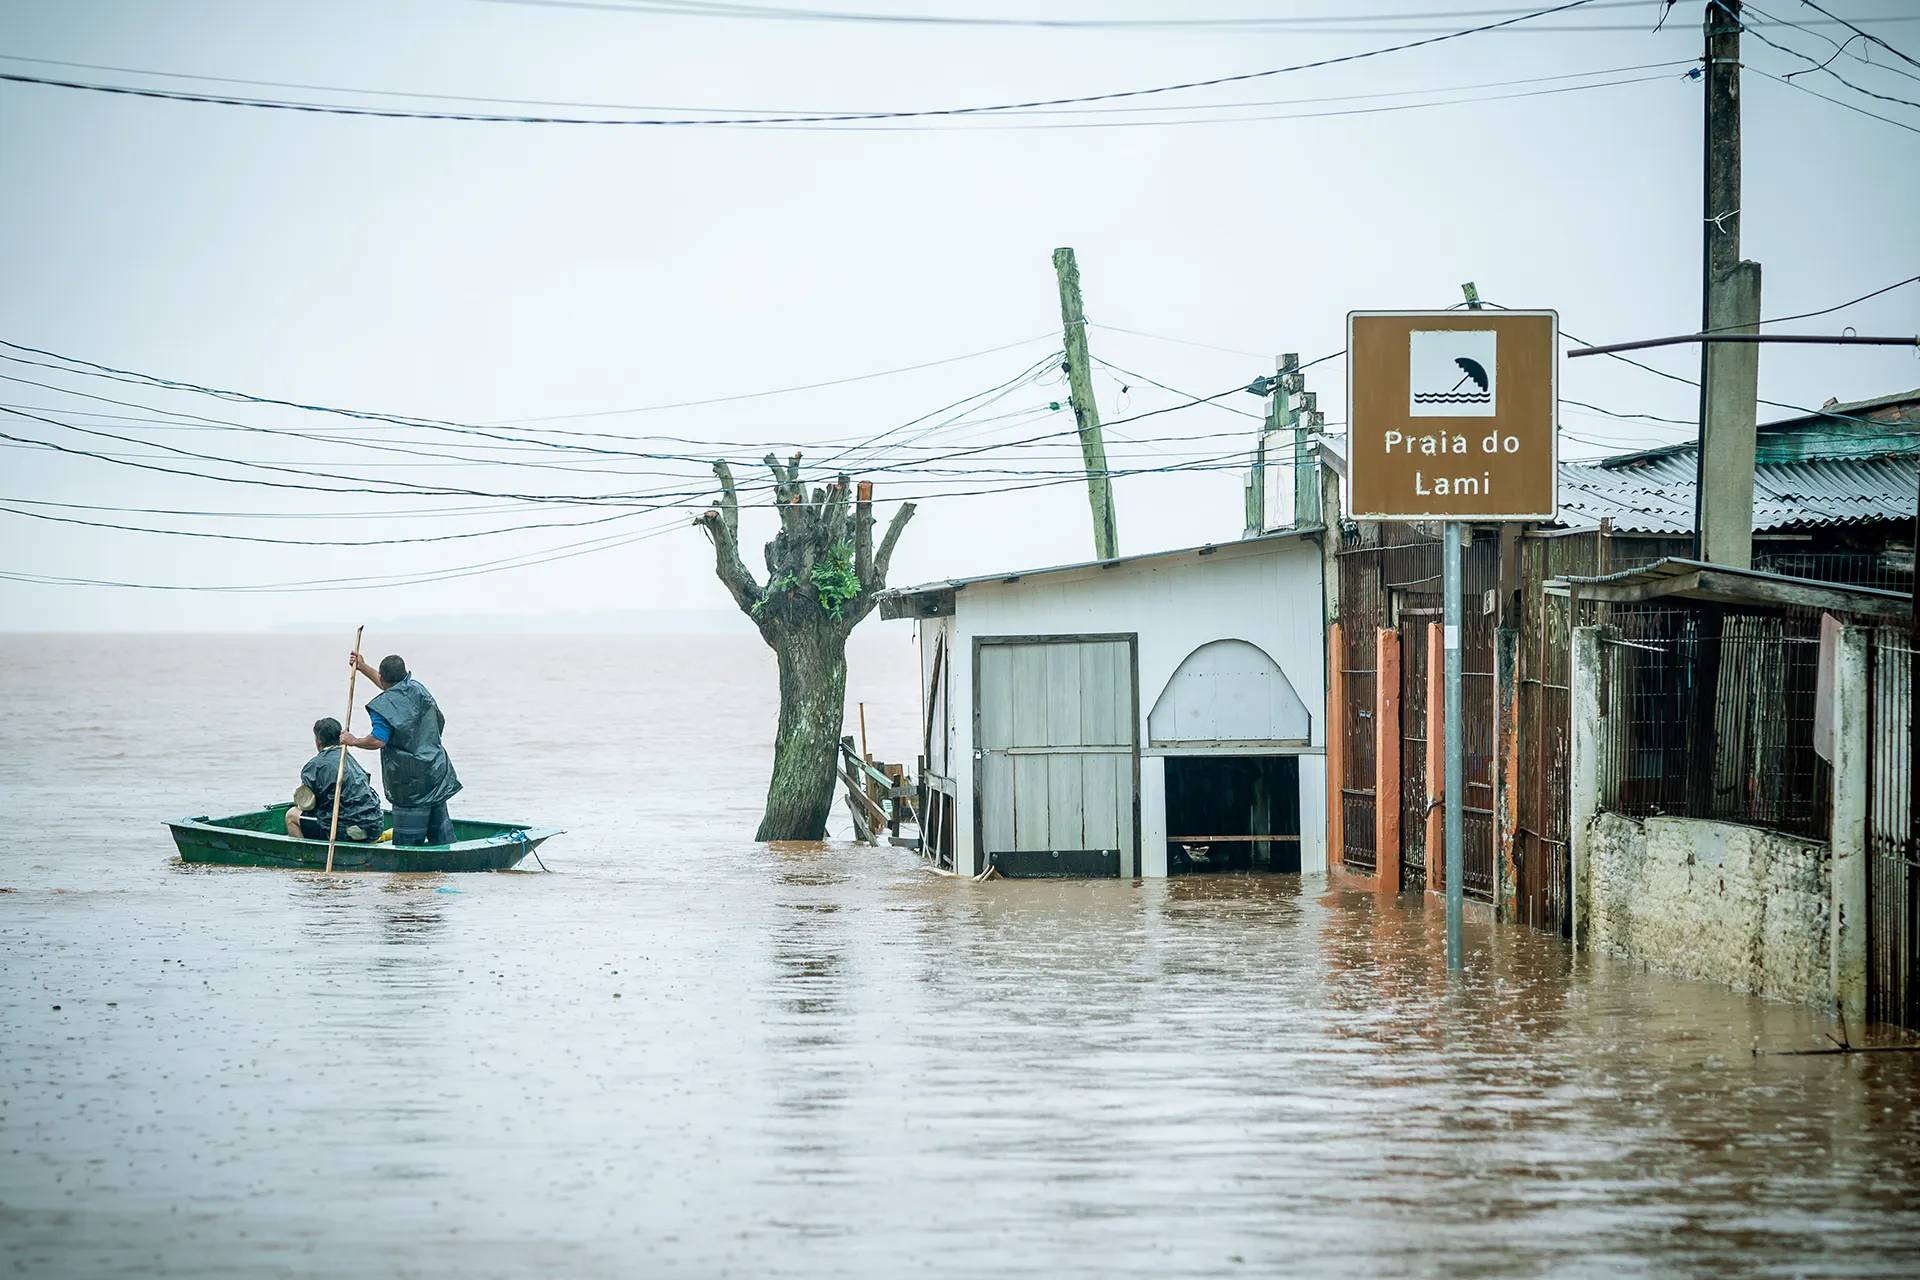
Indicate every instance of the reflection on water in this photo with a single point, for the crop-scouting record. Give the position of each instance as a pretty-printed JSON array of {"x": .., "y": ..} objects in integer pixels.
[{"x": 683, "y": 1053}]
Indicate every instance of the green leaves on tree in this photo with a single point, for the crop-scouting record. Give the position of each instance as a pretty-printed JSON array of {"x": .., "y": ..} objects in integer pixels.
[{"x": 835, "y": 581}]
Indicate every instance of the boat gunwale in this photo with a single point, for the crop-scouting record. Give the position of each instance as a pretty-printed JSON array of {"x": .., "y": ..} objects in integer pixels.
[{"x": 529, "y": 836}]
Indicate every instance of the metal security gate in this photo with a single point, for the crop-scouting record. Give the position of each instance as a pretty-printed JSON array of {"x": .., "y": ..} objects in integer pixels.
[
  {"x": 1057, "y": 757},
  {"x": 1480, "y": 576},
  {"x": 1360, "y": 602},
  {"x": 1893, "y": 856},
  {"x": 1357, "y": 788},
  {"x": 1478, "y": 704}
]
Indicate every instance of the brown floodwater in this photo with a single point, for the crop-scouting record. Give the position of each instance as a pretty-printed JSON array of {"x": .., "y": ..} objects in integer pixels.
[{"x": 681, "y": 1053}]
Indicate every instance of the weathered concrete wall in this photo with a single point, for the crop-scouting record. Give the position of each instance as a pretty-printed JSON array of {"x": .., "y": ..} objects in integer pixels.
[{"x": 1714, "y": 901}]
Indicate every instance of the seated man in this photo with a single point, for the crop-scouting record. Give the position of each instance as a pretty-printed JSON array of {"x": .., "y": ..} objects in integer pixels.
[{"x": 311, "y": 816}]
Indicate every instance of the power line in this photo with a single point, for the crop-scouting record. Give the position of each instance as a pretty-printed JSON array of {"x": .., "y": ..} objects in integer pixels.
[
  {"x": 1171, "y": 122},
  {"x": 1674, "y": 377},
  {"x": 201, "y": 512},
  {"x": 859, "y": 454},
  {"x": 395, "y": 486},
  {"x": 989, "y": 396},
  {"x": 1872, "y": 115},
  {"x": 1840, "y": 47},
  {"x": 779, "y": 391},
  {"x": 1857, "y": 31},
  {"x": 1176, "y": 391},
  {"x": 813, "y": 113},
  {"x": 695, "y": 8},
  {"x": 1330, "y": 24},
  {"x": 592, "y": 546},
  {"x": 1808, "y": 315},
  {"x": 1184, "y": 342},
  {"x": 782, "y": 119},
  {"x": 1688, "y": 423},
  {"x": 1012, "y": 118},
  {"x": 373, "y": 583},
  {"x": 646, "y": 500},
  {"x": 1814, "y": 64},
  {"x": 649, "y": 500},
  {"x": 317, "y": 542},
  {"x": 91, "y": 368}
]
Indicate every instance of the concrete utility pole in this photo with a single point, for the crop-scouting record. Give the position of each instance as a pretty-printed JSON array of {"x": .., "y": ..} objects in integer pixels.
[
  {"x": 1730, "y": 303},
  {"x": 1086, "y": 413}
]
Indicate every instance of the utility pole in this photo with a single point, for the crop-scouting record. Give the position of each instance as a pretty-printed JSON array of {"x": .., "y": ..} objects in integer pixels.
[
  {"x": 1086, "y": 413},
  {"x": 1729, "y": 303}
]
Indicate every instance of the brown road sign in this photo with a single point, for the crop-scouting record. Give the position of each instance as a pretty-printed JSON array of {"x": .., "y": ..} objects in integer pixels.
[{"x": 1451, "y": 414}]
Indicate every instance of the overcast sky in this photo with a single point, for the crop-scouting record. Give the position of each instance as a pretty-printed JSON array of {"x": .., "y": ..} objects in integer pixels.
[{"x": 484, "y": 273}]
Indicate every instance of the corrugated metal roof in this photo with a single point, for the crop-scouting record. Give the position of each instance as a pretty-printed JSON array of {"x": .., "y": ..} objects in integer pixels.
[
  {"x": 1654, "y": 493},
  {"x": 1904, "y": 406},
  {"x": 1676, "y": 578}
]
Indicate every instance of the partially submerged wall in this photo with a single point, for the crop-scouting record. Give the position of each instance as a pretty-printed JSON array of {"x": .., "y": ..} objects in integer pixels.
[{"x": 1710, "y": 900}]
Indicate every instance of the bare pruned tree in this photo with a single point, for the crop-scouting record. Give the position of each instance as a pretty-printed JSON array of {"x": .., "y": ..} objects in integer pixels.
[{"x": 823, "y": 574}]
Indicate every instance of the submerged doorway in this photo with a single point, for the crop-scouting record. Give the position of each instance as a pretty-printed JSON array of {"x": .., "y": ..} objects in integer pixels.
[
  {"x": 1056, "y": 762},
  {"x": 1233, "y": 813}
]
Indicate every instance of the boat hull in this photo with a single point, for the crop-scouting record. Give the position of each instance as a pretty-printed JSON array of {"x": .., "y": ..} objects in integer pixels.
[{"x": 259, "y": 839}]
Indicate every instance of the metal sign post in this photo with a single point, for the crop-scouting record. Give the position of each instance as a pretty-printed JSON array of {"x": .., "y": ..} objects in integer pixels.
[
  {"x": 1453, "y": 818},
  {"x": 1452, "y": 417}
]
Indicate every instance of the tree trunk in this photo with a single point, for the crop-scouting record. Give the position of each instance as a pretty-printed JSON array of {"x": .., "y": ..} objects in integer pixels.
[
  {"x": 824, "y": 574},
  {"x": 813, "y": 693}
]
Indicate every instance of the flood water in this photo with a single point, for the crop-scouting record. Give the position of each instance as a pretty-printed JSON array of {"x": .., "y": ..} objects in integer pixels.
[{"x": 684, "y": 1054}]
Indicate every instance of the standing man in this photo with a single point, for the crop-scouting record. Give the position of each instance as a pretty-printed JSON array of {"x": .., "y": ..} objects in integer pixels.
[{"x": 419, "y": 776}]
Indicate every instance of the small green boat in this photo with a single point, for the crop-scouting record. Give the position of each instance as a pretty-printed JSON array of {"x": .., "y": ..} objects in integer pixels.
[{"x": 260, "y": 839}]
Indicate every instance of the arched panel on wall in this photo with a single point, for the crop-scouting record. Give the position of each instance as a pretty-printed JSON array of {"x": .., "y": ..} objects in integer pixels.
[{"x": 1228, "y": 692}]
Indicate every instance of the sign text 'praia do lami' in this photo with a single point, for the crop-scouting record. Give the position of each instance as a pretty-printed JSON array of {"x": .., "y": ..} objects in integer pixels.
[{"x": 1451, "y": 414}]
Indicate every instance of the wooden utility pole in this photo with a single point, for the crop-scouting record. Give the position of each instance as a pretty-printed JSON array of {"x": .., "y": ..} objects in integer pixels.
[
  {"x": 1730, "y": 303},
  {"x": 1086, "y": 413}
]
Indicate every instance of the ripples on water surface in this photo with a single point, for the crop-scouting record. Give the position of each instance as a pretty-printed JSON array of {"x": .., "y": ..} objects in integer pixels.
[{"x": 686, "y": 1054}]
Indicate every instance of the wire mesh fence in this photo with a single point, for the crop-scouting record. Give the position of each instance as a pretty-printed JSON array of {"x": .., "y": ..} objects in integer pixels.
[
  {"x": 1709, "y": 714},
  {"x": 1890, "y": 570}
]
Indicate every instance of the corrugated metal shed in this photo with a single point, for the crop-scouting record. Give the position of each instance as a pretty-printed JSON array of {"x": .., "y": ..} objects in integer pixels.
[{"x": 1654, "y": 492}]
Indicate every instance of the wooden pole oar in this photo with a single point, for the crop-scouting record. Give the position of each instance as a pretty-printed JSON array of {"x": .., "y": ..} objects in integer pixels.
[{"x": 346, "y": 722}]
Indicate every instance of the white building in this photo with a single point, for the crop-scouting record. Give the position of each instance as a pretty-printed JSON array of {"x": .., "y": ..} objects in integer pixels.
[{"x": 1145, "y": 716}]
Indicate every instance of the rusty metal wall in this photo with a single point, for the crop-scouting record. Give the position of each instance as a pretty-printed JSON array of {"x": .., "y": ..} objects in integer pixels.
[{"x": 1893, "y": 859}]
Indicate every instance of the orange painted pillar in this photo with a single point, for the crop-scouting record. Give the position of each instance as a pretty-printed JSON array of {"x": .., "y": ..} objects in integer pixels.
[
  {"x": 1506, "y": 683},
  {"x": 1336, "y": 735},
  {"x": 1386, "y": 761},
  {"x": 1436, "y": 755}
]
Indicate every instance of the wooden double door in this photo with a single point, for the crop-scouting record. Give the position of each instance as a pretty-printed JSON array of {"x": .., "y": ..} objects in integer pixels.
[{"x": 1056, "y": 754}]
